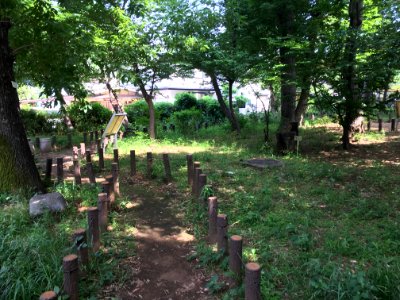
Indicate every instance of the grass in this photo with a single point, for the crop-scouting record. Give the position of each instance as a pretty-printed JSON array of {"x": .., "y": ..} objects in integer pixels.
[
  {"x": 31, "y": 250},
  {"x": 320, "y": 229}
]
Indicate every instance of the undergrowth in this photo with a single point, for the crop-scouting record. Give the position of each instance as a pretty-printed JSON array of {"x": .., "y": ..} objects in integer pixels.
[{"x": 31, "y": 249}]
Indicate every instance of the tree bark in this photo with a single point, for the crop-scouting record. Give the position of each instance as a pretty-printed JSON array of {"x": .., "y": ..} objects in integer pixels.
[
  {"x": 288, "y": 82},
  {"x": 152, "y": 115},
  {"x": 351, "y": 89},
  {"x": 227, "y": 112},
  {"x": 302, "y": 104},
  {"x": 17, "y": 165},
  {"x": 230, "y": 99}
]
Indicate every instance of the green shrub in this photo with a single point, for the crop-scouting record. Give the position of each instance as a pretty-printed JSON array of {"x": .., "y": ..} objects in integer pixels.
[
  {"x": 35, "y": 122},
  {"x": 241, "y": 101},
  {"x": 87, "y": 116},
  {"x": 188, "y": 120},
  {"x": 211, "y": 109},
  {"x": 164, "y": 110},
  {"x": 138, "y": 114},
  {"x": 185, "y": 101}
]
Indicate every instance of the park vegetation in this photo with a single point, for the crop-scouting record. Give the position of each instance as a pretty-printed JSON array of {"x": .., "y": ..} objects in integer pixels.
[{"x": 321, "y": 227}]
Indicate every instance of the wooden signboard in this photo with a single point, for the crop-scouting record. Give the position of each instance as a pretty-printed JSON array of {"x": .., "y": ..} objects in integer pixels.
[{"x": 114, "y": 126}]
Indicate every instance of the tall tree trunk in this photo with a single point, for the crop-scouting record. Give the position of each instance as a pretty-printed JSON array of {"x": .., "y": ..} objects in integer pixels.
[
  {"x": 230, "y": 99},
  {"x": 288, "y": 82},
  {"x": 152, "y": 115},
  {"x": 351, "y": 91},
  {"x": 272, "y": 104},
  {"x": 17, "y": 165},
  {"x": 227, "y": 112},
  {"x": 302, "y": 104}
]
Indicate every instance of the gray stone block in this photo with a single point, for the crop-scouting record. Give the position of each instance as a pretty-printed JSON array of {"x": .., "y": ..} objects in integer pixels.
[{"x": 54, "y": 202}]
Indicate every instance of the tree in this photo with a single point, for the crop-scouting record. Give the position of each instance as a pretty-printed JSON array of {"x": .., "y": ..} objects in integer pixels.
[
  {"x": 209, "y": 36},
  {"x": 362, "y": 57},
  {"x": 134, "y": 50},
  {"x": 43, "y": 45},
  {"x": 285, "y": 36}
]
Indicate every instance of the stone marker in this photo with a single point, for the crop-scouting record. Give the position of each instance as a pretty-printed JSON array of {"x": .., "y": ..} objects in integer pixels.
[{"x": 54, "y": 202}]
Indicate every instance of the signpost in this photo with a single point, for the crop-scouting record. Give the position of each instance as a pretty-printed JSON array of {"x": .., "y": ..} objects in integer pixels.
[
  {"x": 298, "y": 139},
  {"x": 113, "y": 127}
]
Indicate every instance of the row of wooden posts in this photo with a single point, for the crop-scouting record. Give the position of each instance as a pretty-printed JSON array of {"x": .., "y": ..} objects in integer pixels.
[
  {"x": 218, "y": 233},
  {"x": 98, "y": 216},
  {"x": 393, "y": 126}
]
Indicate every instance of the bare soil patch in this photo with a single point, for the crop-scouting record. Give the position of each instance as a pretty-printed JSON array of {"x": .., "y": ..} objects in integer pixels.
[{"x": 160, "y": 269}]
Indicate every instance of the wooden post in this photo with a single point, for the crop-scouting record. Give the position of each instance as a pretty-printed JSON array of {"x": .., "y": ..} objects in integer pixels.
[
  {"x": 96, "y": 135},
  {"x": 212, "y": 219},
  {"x": 98, "y": 144},
  {"x": 369, "y": 125},
  {"x": 85, "y": 137},
  {"x": 133, "y": 162},
  {"x": 116, "y": 156},
  {"x": 115, "y": 175},
  {"x": 60, "y": 169},
  {"x": 222, "y": 233},
  {"x": 53, "y": 141},
  {"x": 101, "y": 158},
  {"x": 92, "y": 177},
  {"x": 196, "y": 165},
  {"x": 393, "y": 125},
  {"x": 105, "y": 188},
  {"x": 91, "y": 136},
  {"x": 202, "y": 182},
  {"x": 149, "y": 164},
  {"x": 93, "y": 223},
  {"x": 235, "y": 255},
  {"x": 111, "y": 194},
  {"x": 49, "y": 165},
  {"x": 83, "y": 149},
  {"x": 37, "y": 142},
  {"x": 77, "y": 172},
  {"x": 252, "y": 289},
  {"x": 195, "y": 187},
  {"x": 69, "y": 140},
  {"x": 103, "y": 211},
  {"x": 88, "y": 156},
  {"x": 167, "y": 167},
  {"x": 380, "y": 125},
  {"x": 80, "y": 242},
  {"x": 93, "y": 147},
  {"x": 49, "y": 295},
  {"x": 71, "y": 272},
  {"x": 101, "y": 132},
  {"x": 189, "y": 162},
  {"x": 75, "y": 153}
]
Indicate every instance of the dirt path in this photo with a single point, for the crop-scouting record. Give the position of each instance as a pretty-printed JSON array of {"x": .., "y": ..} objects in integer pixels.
[{"x": 160, "y": 269}]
